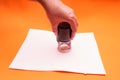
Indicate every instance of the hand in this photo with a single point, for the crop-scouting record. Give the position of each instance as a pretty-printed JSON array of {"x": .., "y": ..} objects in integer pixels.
[{"x": 58, "y": 12}]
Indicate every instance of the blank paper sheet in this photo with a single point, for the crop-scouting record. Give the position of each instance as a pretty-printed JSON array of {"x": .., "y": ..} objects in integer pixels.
[{"x": 39, "y": 53}]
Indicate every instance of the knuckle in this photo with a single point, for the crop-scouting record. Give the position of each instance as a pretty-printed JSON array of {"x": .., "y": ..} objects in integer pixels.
[{"x": 71, "y": 12}]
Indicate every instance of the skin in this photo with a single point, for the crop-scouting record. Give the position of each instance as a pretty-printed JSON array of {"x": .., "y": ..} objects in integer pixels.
[{"x": 58, "y": 12}]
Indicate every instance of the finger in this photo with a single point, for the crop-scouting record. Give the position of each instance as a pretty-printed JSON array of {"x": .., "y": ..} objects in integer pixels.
[
  {"x": 74, "y": 21},
  {"x": 73, "y": 35},
  {"x": 73, "y": 24}
]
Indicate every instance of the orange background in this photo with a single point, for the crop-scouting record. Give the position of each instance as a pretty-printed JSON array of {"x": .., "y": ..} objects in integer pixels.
[{"x": 99, "y": 16}]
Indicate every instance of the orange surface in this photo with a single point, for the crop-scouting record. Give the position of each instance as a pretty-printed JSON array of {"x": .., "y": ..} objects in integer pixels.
[{"x": 99, "y": 16}]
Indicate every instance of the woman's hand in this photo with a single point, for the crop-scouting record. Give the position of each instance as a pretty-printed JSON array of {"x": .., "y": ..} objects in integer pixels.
[{"x": 58, "y": 12}]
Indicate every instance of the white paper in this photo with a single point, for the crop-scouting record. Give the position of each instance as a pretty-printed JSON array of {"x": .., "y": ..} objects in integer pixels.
[{"x": 39, "y": 52}]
